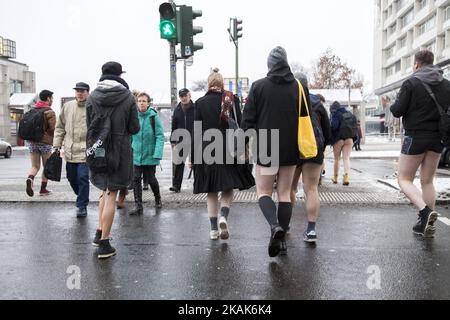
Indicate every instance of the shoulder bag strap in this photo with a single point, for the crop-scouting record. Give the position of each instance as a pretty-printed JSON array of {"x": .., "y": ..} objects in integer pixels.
[
  {"x": 433, "y": 96},
  {"x": 302, "y": 97}
]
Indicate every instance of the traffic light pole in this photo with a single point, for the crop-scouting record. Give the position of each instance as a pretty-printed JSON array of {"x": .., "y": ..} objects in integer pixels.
[
  {"x": 237, "y": 67},
  {"x": 173, "y": 75}
]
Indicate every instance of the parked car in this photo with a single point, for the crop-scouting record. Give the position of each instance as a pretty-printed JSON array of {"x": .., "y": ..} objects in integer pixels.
[
  {"x": 5, "y": 149},
  {"x": 445, "y": 158}
]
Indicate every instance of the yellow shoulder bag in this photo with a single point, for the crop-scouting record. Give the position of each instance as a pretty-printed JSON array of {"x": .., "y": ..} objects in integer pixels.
[{"x": 307, "y": 144}]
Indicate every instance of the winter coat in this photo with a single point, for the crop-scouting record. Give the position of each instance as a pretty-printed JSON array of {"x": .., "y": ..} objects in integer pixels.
[
  {"x": 336, "y": 119},
  {"x": 420, "y": 113},
  {"x": 273, "y": 103},
  {"x": 71, "y": 130},
  {"x": 50, "y": 123},
  {"x": 148, "y": 146},
  {"x": 124, "y": 123},
  {"x": 183, "y": 120},
  {"x": 207, "y": 110},
  {"x": 323, "y": 118}
]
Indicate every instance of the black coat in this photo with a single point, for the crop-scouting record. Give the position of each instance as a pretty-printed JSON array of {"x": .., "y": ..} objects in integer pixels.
[
  {"x": 420, "y": 114},
  {"x": 124, "y": 124},
  {"x": 273, "y": 103},
  {"x": 183, "y": 120},
  {"x": 207, "y": 110}
]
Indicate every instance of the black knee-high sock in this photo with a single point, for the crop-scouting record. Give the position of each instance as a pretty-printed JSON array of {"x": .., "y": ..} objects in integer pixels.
[
  {"x": 269, "y": 209},
  {"x": 284, "y": 214}
]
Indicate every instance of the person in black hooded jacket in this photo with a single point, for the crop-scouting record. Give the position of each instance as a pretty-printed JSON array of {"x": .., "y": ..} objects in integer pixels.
[
  {"x": 422, "y": 145},
  {"x": 273, "y": 104},
  {"x": 112, "y": 92}
]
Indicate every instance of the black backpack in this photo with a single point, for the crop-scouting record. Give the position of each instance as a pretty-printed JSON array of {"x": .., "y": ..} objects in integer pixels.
[
  {"x": 32, "y": 125},
  {"x": 99, "y": 144},
  {"x": 349, "y": 127}
]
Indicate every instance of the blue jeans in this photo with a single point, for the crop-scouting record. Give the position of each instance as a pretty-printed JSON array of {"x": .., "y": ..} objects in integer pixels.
[{"x": 78, "y": 176}]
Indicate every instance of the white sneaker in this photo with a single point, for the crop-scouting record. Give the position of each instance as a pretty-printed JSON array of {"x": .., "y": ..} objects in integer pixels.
[
  {"x": 214, "y": 235},
  {"x": 223, "y": 226}
]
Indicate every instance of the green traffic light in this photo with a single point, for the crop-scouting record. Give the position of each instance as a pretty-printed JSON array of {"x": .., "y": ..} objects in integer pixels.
[{"x": 168, "y": 30}]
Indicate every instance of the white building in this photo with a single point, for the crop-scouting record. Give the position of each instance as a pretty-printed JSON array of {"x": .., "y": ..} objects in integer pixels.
[
  {"x": 402, "y": 28},
  {"x": 15, "y": 79}
]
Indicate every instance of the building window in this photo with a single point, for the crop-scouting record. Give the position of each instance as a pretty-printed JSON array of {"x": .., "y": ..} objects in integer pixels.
[
  {"x": 407, "y": 18},
  {"x": 398, "y": 66},
  {"x": 427, "y": 25},
  {"x": 408, "y": 62},
  {"x": 431, "y": 47},
  {"x": 447, "y": 13},
  {"x": 390, "y": 52},
  {"x": 422, "y": 4},
  {"x": 389, "y": 71},
  {"x": 400, "y": 4},
  {"x": 392, "y": 29},
  {"x": 402, "y": 42},
  {"x": 15, "y": 87}
]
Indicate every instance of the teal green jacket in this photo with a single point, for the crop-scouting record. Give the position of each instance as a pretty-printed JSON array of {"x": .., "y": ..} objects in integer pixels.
[{"x": 148, "y": 146}]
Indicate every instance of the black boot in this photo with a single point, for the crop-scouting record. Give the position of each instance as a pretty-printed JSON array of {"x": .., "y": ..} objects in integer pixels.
[
  {"x": 105, "y": 250},
  {"x": 277, "y": 236},
  {"x": 138, "y": 209},
  {"x": 157, "y": 194}
]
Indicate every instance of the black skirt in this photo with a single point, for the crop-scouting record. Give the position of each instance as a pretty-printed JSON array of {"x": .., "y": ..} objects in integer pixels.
[{"x": 222, "y": 178}]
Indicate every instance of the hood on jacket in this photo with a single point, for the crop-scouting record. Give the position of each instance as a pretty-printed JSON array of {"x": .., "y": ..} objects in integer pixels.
[
  {"x": 430, "y": 74},
  {"x": 315, "y": 100},
  {"x": 149, "y": 113},
  {"x": 335, "y": 107},
  {"x": 279, "y": 69},
  {"x": 109, "y": 93},
  {"x": 42, "y": 105}
]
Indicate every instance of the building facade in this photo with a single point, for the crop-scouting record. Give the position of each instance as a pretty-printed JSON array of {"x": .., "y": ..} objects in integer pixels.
[
  {"x": 402, "y": 28},
  {"x": 15, "y": 78}
]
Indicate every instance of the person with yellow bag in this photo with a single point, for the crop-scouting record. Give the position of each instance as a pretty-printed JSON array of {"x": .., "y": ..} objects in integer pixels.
[
  {"x": 310, "y": 169},
  {"x": 273, "y": 106}
]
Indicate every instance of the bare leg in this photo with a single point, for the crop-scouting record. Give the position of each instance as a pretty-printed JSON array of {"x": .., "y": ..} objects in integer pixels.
[
  {"x": 337, "y": 151},
  {"x": 35, "y": 164},
  {"x": 311, "y": 176},
  {"x": 100, "y": 210},
  {"x": 294, "y": 190},
  {"x": 408, "y": 166},
  {"x": 213, "y": 205},
  {"x": 427, "y": 173},
  {"x": 226, "y": 199},
  {"x": 108, "y": 213},
  {"x": 347, "y": 150}
]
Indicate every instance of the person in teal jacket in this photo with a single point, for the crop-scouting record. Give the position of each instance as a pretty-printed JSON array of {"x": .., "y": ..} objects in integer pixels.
[{"x": 148, "y": 147}]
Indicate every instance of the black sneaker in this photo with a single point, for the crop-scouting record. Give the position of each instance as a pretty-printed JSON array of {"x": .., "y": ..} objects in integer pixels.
[
  {"x": 105, "y": 251},
  {"x": 310, "y": 237},
  {"x": 175, "y": 189},
  {"x": 425, "y": 225},
  {"x": 29, "y": 189},
  {"x": 277, "y": 236},
  {"x": 145, "y": 188},
  {"x": 82, "y": 213},
  {"x": 158, "y": 203},
  {"x": 97, "y": 238}
]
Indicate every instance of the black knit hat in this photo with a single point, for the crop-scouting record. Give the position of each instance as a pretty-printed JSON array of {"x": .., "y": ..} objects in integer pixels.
[{"x": 112, "y": 68}]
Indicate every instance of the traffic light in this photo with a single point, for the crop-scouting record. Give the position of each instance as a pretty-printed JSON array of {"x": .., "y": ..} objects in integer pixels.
[
  {"x": 235, "y": 29},
  {"x": 187, "y": 31},
  {"x": 168, "y": 23}
]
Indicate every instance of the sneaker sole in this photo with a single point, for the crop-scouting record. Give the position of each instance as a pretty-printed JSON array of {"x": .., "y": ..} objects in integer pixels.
[
  {"x": 106, "y": 256},
  {"x": 224, "y": 233},
  {"x": 275, "y": 244},
  {"x": 430, "y": 229},
  {"x": 30, "y": 191},
  {"x": 310, "y": 240},
  {"x": 95, "y": 244}
]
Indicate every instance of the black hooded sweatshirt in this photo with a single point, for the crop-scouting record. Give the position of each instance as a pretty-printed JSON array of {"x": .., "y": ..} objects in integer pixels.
[
  {"x": 273, "y": 103},
  {"x": 420, "y": 114}
]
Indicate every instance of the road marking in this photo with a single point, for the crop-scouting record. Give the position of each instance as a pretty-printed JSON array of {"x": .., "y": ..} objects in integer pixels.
[{"x": 445, "y": 221}]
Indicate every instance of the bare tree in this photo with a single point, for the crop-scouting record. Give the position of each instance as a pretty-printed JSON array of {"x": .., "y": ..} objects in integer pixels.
[
  {"x": 200, "y": 86},
  {"x": 331, "y": 73}
]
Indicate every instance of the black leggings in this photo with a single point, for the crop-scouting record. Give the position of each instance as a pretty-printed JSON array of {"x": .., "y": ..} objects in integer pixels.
[{"x": 150, "y": 173}]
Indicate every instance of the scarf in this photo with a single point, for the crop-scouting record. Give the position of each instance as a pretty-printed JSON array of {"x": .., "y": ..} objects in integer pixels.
[
  {"x": 42, "y": 105},
  {"x": 115, "y": 78},
  {"x": 226, "y": 109}
]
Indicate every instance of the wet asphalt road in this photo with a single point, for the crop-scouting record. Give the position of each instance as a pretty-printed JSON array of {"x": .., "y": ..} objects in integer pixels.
[{"x": 169, "y": 256}]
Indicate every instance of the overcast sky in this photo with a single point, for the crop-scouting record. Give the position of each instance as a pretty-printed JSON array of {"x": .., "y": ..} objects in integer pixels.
[{"x": 68, "y": 41}]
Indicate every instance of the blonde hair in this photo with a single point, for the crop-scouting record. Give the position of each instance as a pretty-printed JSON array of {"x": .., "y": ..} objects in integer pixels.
[{"x": 215, "y": 79}]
